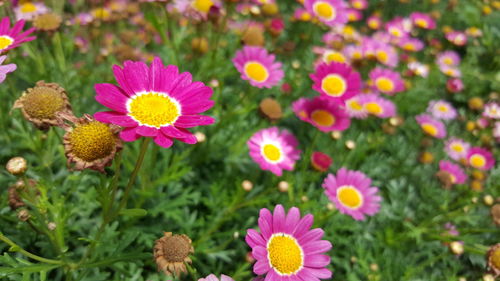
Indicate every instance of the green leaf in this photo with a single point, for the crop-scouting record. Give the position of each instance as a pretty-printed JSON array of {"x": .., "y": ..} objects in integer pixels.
[
  {"x": 28, "y": 268},
  {"x": 133, "y": 212}
]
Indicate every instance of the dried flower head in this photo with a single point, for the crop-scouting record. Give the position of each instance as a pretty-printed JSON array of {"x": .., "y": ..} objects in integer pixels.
[
  {"x": 47, "y": 22},
  {"x": 17, "y": 166},
  {"x": 495, "y": 213},
  {"x": 171, "y": 252},
  {"x": 493, "y": 257},
  {"x": 89, "y": 144},
  {"x": 41, "y": 104},
  {"x": 271, "y": 109},
  {"x": 15, "y": 200}
]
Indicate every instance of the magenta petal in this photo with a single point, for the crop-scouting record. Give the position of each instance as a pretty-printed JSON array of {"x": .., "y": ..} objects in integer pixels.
[
  {"x": 259, "y": 252},
  {"x": 254, "y": 238},
  {"x": 292, "y": 218},
  {"x": 147, "y": 131},
  {"x": 189, "y": 140},
  {"x": 163, "y": 141},
  {"x": 317, "y": 261},
  {"x": 312, "y": 235},
  {"x": 279, "y": 218},
  {"x": 307, "y": 274},
  {"x": 120, "y": 78},
  {"x": 261, "y": 267},
  {"x": 137, "y": 75},
  {"x": 111, "y": 103},
  {"x": 129, "y": 134},
  {"x": 322, "y": 273},
  {"x": 303, "y": 226},
  {"x": 189, "y": 121},
  {"x": 156, "y": 78},
  {"x": 123, "y": 121},
  {"x": 173, "y": 132},
  {"x": 317, "y": 247},
  {"x": 105, "y": 116}
]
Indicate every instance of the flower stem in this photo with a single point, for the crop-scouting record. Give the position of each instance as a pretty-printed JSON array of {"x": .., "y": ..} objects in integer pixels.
[{"x": 17, "y": 248}]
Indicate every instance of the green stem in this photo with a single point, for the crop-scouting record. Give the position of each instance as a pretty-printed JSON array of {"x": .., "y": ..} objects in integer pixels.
[
  {"x": 171, "y": 38},
  {"x": 17, "y": 248}
]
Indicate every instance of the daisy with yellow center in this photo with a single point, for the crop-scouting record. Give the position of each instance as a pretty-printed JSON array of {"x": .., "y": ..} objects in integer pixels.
[
  {"x": 202, "y": 6},
  {"x": 324, "y": 114},
  {"x": 422, "y": 20},
  {"x": 29, "y": 10},
  {"x": 456, "y": 175},
  {"x": 282, "y": 248},
  {"x": 431, "y": 126},
  {"x": 442, "y": 109},
  {"x": 258, "y": 67},
  {"x": 377, "y": 105},
  {"x": 386, "y": 81},
  {"x": 480, "y": 158},
  {"x": 457, "y": 149},
  {"x": 274, "y": 150},
  {"x": 89, "y": 144},
  {"x": 330, "y": 12},
  {"x": 351, "y": 193},
  {"x": 333, "y": 56},
  {"x": 11, "y": 38},
  {"x": 355, "y": 109},
  {"x": 336, "y": 81}
]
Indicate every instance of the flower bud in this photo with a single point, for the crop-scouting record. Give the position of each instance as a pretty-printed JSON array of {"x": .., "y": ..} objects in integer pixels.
[{"x": 17, "y": 166}]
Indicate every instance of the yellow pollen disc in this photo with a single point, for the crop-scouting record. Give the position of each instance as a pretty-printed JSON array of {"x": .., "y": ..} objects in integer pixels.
[
  {"x": 334, "y": 85},
  {"x": 271, "y": 152},
  {"x": 5, "y": 42},
  {"x": 43, "y": 103},
  {"x": 495, "y": 258},
  {"x": 305, "y": 16},
  {"x": 421, "y": 23},
  {"x": 453, "y": 179},
  {"x": 373, "y": 24},
  {"x": 382, "y": 56},
  {"x": 373, "y": 108},
  {"x": 357, "y": 55},
  {"x": 354, "y": 105},
  {"x": 203, "y": 5},
  {"x": 28, "y": 8},
  {"x": 349, "y": 30},
  {"x": 450, "y": 72},
  {"x": 477, "y": 161},
  {"x": 395, "y": 32},
  {"x": 349, "y": 196},
  {"x": 325, "y": 10},
  {"x": 409, "y": 47},
  {"x": 323, "y": 118},
  {"x": 429, "y": 129},
  {"x": 101, "y": 13},
  {"x": 285, "y": 254},
  {"x": 384, "y": 84},
  {"x": 448, "y": 61},
  {"x": 357, "y": 5},
  {"x": 443, "y": 108},
  {"x": 457, "y": 147},
  {"x": 256, "y": 71},
  {"x": 334, "y": 56},
  {"x": 92, "y": 141},
  {"x": 154, "y": 109}
]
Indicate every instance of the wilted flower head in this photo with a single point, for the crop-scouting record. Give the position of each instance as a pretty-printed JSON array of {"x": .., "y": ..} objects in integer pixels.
[
  {"x": 493, "y": 257},
  {"x": 171, "y": 252},
  {"x": 47, "y": 22}
]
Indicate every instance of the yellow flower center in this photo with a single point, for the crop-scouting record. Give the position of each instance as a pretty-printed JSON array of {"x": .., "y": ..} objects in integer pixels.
[
  {"x": 373, "y": 108},
  {"x": 325, "y": 10},
  {"x": 305, "y": 16},
  {"x": 357, "y": 5},
  {"x": 28, "y": 8},
  {"x": 457, "y": 147},
  {"x": 495, "y": 258},
  {"x": 453, "y": 179},
  {"x": 334, "y": 85},
  {"x": 477, "y": 161},
  {"x": 450, "y": 72},
  {"x": 448, "y": 61},
  {"x": 43, "y": 103},
  {"x": 382, "y": 56},
  {"x": 421, "y": 23},
  {"x": 153, "y": 109},
  {"x": 323, "y": 118},
  {"x": 373, "y": 24},
  {"x": 395, "y": 32},
  {"x": 384, "y": 84},
  {"x": 256, "y": 71},
  {"x": 357, "y": 55},
  {"x": 203, "y": 5},
  {"x": 285, "y": 254},
  {"x": 429, "y": 129},
  {"x": 354, "y": 105},
  {"x": 442, "y": 108},
  {"x": 349, "y": 30},
  {"x": 409, "y": 47},
  {"x": 101, "y": 13},
  {"x": 271, "y": 152},
  {"x": 349, "y": 196},
  {"x": 92, "y": 141},
  {"x": 334, "y": 56},
  {"x": 5, "y": 42}
]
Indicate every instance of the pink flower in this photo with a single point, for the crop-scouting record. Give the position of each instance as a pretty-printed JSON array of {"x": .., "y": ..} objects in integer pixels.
[
  {"x": 258, "y": 67},
  {"x": 442, "y": 109},
  {"x": 324, "y": 114},
  {"x": 456, "y": 148},
  {"x": 212, "y": 277},
  {"x": 422, "y": 20},
  {"x": 480, "y": 158},
  {"x": 351, "y": 193},
  {"x": 274, "y": 150},
  {"x": 386, "y": 81},
  {"x": 29, "y": 10},
  {"x": 377, "y": 105},
  {"x": 4, "y": 69},
  {"x": 457, "y": 175},
  {"x": 448, "y": 58},
  {"x": 458, "y": 38},
  {"x": 386, "y": 54},
  {"x": 396, "y": 28},
  {"x": 491, "y": 110},
  {"x": 411, "y": 44},
  {"x": 330, "y": 12},
  {"x": 155, "y": 102},
  {"x": 286, "y": 248},
  {"x": 359, "y": 4},
  {"x": 12, "y": 38},
  {"x": 321, "y": 161},
  {"x": 354, "y": 15},
  {"x": 355, "y": 109},
  {"x": 336, "y": 81},
  {"x": 454, "y": 85},
  {"x": 431, "y": 126},
  {"x": 374, "y": 22}
]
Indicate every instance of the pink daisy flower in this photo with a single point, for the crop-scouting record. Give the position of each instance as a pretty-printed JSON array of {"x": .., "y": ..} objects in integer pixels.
[
  {"x": 359, "y": 4},
  {"x": 336, "y": 81},
  {"x": 354, "y": 15},
  {"x": 491, "y": 110},
  {"x": 448, "y": 58},
  {"x": 456, "y": 173},
  {"x": 480, "y": 158},
  {"x": 330, "y": 12},
  {"x": 422, "y": 20},
  {"x": 324, "y": 114},
  {"x": 442, "y": 109},
  {"x": 411, "y": 44},
  {"x": 396, "y": 28},
  {"x": 431, "y": 126},
  {"x": 12, "y": 38},
  {"x": 451, "y": 71},
  {"x": 302, "y": 14},
  {"x": 353, "y": 52},
  {"x": 274, "y": 150},
  {"x": 386, "y": 54},
  {"x": 212, "y": 277},
  {"x": 418, "y": 68},
  {"x": 155, "y": 102},
  {"x": 258, "y": 67},
  {"x": 456, "y": 148},
  {"x": 377, "y": 105},
  {"x": 454, "y": 85},
  {"x": 5, "y": 69},
  {"x": 386, "y": 81},
  {"x": 29, "y": 10},
  {"x": 286, "y": 248},
  {"x": 374, "y": 22},
  {"x": 458, "y": 38},
  {"x": 351, "y": 193},
  {"x": 355, "y": 109}
]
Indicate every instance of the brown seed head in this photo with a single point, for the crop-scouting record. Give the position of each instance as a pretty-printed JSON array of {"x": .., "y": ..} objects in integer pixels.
[{"x": 17, "y": 166}]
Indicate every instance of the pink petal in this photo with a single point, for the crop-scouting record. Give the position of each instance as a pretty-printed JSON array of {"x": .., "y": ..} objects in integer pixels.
[
  {"x": 261, "y": 267},
  {"x": 129, "y": 134},
  {"x": 317, "y": 261},
  {"x": 317, "y": 247},
  {"x": 189, "y": 121},
  {"x": 173, "y": 132},
  {"x": 147, "y": 131},
  {"x": 279, "y": 219},
  {"x": 163, "y": 141}
]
